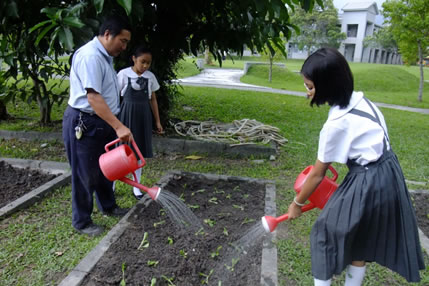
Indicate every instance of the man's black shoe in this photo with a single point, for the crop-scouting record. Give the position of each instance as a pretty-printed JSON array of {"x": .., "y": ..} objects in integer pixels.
[
  {"x": 116, "y": 211},
  {"x": 91, "y": 230}
]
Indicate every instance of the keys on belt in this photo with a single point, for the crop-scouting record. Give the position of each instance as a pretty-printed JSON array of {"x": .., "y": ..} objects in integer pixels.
[{"x": 80, "y": 127}]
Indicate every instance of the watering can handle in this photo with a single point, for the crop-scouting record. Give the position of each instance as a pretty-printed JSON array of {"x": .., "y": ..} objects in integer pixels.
[
  {"x": 117, "y": 140},
  {"x": 334, "y": 172}
]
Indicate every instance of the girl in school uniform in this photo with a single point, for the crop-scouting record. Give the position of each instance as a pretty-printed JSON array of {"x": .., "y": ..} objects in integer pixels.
[
  {"x": 370, "y": 217},
  {"x": 138, "y": 86}
]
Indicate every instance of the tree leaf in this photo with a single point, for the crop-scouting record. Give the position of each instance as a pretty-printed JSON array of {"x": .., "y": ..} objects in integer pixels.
[
  {"x": 99, "y": 4},
  {"x": 73, "y": 22},
  {"x": 43, "y": 33},
  {"x": 126, "y": 4},
  {"x": 37, "y": 26},
  {"x": 66, "y": 38}
]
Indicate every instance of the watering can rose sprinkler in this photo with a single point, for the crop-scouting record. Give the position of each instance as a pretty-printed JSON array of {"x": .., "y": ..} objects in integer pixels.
[
  {"x": 317, "y": 199},
  {"x": 120, "y": 161}
]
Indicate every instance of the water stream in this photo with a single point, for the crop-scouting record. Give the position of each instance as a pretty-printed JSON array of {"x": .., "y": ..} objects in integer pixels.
[{"x": 178, "y": 211}]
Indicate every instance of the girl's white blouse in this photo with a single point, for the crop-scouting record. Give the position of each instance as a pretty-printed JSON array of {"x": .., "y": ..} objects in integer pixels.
[
  {"x": 347, "y": 136},
  {"x": 126, "y": 73}
]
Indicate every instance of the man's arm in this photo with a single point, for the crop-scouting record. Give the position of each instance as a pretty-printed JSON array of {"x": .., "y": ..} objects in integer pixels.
[{"x": 103, "y": 111}]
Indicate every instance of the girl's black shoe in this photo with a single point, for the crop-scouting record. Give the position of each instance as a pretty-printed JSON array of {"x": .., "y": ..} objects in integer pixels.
[{"x": 138, "y": 197}]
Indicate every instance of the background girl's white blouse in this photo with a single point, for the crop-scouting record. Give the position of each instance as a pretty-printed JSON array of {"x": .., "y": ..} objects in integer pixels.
[{"x": 126, "y": 73}]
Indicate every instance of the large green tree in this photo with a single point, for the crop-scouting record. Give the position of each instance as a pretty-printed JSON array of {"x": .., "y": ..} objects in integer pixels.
[
  {"x": 173, "y": 28},
  {"x": 409, "y": 23},
  {"x": 319, "y": 28},
  {"x": 33, "y": 60}
]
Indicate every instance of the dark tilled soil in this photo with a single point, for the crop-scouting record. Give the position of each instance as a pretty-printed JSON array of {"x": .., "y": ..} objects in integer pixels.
[
  {"x": 188, "y": 257},
  {"x": 15, "y": 182},
  {"x": 421, "y": 203}
]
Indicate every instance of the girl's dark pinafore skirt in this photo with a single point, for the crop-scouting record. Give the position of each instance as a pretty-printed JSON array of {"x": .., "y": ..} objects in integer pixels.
[
  {"x": 369, "y": 218},
  {"x": 136, "y": 114}
]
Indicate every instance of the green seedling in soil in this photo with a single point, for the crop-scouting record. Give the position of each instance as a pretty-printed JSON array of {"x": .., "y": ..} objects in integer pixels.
[
  {"x": 153, "y": 282},
  {"x": 194, "y": 206},
  {"x": 233, "y": 263},
  {"x": 224, "y": 214},
  {"x": 238, "y": 207},
  {"x": 156, "y": 224},
  {"x": 123, "y": 283},
  {"x": 170, "y": 240},
  {"x": 219, "y": 192},
  {"x": 210, "y": 222},
  {"x": 182, "y": 197},
  {"x": 213, "y": 200},
  {"x": 225, "y": 231},
  {"x": 248, "y": 220},
  {"x": 216, "y": 253},
  {"x": 144, "y": 243},
  {"x": 207, "y": 276},
  {"x": 245, "y": 196},
  {"x": 236, "y": 188},
  {"x": 169, "y": 280},
  {"x": 161, "y": 212},
  {"x": 184, "y": 186},
  {"x": 200, "y": 232},
  {"x": 199, "y": 191},
  {"x": 151, "y": 263},
  {"x": 228, "y": 196},
  {"x": 183, "y": 253}
]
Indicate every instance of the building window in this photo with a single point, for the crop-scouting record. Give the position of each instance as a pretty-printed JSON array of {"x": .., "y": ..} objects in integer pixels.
[{"x": 352, "y": 30}]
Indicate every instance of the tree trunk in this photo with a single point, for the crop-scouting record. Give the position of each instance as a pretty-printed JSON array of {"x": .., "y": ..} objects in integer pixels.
[
  {"x": 270, "y": 70},
  {"x": 420, "y": 98},
  {"x": 3, "y": 111},
  {"x": 207, "y": 58}
]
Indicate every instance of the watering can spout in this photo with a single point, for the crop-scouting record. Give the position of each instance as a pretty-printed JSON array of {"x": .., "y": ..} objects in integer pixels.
[{"x": 269, "y": 223}]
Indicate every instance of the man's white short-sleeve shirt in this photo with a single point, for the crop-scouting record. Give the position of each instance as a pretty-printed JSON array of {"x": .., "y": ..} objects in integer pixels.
[
  {"x": 92, "y": 68},
  {"x": 347, "y": 136}
]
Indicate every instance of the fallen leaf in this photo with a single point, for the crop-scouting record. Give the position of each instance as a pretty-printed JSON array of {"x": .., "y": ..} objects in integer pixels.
[
  {"x": 59, "y": 253},
  {"x": 193, "y": 157}
]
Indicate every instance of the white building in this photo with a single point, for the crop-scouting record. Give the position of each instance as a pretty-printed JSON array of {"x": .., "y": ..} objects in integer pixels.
[{"x": 358, "y": 20}]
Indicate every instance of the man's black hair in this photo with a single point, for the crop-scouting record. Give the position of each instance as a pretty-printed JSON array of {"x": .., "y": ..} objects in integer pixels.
[
  {"x": 115, "y": 24},
  {"x": 329, "y": 71}
]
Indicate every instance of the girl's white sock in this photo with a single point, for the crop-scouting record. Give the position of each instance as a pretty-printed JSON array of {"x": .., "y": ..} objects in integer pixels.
[
  {"x": 137, "y": 191},
  {"x": 318, "y": 282},
  {"x": 354, "y": 275}
]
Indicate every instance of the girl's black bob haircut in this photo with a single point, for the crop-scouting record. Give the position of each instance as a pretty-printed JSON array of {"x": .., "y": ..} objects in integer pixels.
[
  {"x": 140, "y": 50},
  {"x": 329, "y": 71}
]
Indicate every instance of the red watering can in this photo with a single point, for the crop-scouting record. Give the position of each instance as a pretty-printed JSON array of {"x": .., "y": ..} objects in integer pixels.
[
  {"x": 120, "y": 161},
  {"x": 317, "y": 199}
]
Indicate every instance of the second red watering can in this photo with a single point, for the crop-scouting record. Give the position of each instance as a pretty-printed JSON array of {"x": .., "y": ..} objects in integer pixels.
[
  {"x": 117, "y": 163},
  {"x": 317, "y": 199}
]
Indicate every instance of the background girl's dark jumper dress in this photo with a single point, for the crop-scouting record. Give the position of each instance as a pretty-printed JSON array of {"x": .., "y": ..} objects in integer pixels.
[{"x": 136, "y": 114}]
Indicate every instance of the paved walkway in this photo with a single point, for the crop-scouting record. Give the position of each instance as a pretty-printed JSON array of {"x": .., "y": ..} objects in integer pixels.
[{"x": 230, "y": 79}]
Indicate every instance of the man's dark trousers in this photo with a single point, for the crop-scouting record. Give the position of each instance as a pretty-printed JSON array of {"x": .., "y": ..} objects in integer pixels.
[{"x": 83, "y": 155}]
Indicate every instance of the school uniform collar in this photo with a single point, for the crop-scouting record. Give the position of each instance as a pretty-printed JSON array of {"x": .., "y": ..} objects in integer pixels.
[
  {"x": 132, "y": 74},
  {"x": 102, "y": 50},
  {"x": 336, "y": 112}
]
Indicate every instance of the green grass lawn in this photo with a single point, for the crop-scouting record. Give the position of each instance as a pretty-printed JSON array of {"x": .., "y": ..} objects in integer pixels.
[{"x": 39, "y": 246}]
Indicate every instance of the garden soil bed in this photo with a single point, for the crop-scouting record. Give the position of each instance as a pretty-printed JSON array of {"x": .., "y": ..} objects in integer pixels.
[
  {"x": 16, "y": 182},
  {"x": 177, "y": 255}
]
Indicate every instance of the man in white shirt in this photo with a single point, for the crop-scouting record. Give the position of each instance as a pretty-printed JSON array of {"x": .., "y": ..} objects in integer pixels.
[{"x": 90, "y": 122}]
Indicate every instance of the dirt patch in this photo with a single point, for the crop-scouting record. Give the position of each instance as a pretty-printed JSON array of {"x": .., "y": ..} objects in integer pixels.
[
  {"x": 16, "y": 182},
  {"x": 178, "y": 256},
  {"x": 421, "y": 202}
]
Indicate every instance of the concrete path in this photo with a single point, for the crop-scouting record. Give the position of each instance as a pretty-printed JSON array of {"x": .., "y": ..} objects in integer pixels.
[{"x": 230, "y": 79}]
